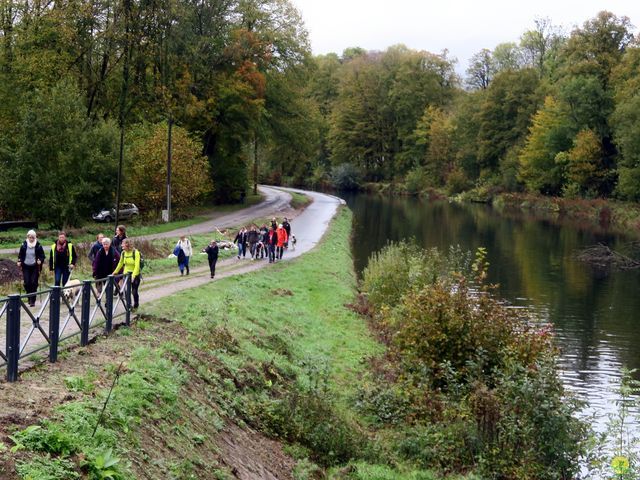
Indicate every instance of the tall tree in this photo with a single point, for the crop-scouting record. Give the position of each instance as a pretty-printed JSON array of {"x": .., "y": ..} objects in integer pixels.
[{"x": 481, "y": 69}]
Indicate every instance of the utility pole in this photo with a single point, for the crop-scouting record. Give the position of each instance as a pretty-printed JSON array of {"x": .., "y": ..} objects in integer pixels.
[
  {"x": 169, "y": 170},
  {"x": 123, "y": 100},
  {"x": 255, "y": 164}
]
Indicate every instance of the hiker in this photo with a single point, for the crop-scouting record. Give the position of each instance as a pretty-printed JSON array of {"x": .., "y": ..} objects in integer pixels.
[
  {"x": 30, "y": 259},
  {"x": 274, "y": 223},
  {"x": 241, "y": 240},
  {"x": 287, "y": 227},
  {"x": 212, "y": 256},
  {"x": 252, "y": 238},
  {"x": 121, "y": 234},
  {"x": 130, "y": 263},
  {"x": 183, "y": 260},
  {"x": 272, "y": 241},
  {"x": 106, "y": 260},
  {"x": 282, "y": 239},
  {"x": 262, "y": 244},
  {"x": 95, "y": 248},
  {"x": 62, "y": 259}
]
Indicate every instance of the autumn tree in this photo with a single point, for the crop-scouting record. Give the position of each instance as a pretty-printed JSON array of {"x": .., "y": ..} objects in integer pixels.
[
  {"x": 549, "y": 135},
  {"x": 147, "y": 169}
]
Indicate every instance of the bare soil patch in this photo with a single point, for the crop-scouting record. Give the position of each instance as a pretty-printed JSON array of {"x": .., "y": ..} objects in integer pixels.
[{"x": 9, "y": 271}]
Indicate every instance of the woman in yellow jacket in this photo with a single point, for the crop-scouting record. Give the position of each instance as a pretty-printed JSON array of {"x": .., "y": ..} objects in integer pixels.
[{"x": 130, "y": 263}]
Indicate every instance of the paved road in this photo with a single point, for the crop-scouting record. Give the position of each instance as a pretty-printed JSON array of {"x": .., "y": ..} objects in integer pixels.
[
  {"x": 308, "y": 226},
  {"x": 276, "y": 202}
]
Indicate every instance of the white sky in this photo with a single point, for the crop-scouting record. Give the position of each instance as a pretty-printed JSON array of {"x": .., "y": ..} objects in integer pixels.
[{"x": 462, "y": 26}]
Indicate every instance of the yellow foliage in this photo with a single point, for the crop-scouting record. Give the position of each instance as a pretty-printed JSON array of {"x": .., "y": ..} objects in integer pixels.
[{"x": 147, "y": 175}]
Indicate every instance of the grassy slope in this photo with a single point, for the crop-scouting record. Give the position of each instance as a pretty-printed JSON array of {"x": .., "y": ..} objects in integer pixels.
[
  {"x": 312, "y": 318},
  {"x": 238, "y": 348}
]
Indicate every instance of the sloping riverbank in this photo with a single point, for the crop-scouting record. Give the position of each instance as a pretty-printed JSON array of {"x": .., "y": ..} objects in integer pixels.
[{"x": 211, "y": 377}]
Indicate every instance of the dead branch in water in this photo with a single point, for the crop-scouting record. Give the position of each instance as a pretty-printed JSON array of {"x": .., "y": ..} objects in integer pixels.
[{"x": 602, "y": 256}]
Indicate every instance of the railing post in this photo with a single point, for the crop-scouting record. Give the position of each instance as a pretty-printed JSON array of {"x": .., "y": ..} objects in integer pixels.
[
  {"x": 86, "y": 310},
  {"x": 127, "y": 297},
  {"x": 54, "y": 323},
  {"x": 13, "y": 337},
  {"x": 108, "y": 304}
]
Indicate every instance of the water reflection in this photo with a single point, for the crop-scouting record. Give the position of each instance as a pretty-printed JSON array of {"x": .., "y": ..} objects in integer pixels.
[{"x": 594, "y": 312}]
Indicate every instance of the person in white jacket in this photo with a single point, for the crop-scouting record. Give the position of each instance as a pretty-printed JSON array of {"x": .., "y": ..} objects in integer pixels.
[{"x": 185, "y": 246}]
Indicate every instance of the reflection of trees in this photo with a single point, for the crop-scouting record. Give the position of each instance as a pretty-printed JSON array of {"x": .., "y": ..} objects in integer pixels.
[{"x": 530, "y": 259}]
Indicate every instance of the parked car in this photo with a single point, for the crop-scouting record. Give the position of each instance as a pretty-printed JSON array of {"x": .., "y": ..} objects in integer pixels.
[{"x": 127, "y": 210}]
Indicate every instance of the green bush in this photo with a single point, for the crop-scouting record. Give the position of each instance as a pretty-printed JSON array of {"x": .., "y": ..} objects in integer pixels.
[
  {"x": 477, "y": 379},
  {"x": 457, "y": 182},
  {"x": 629, "y": 183},
  {"x": 346, "y": 176},
  {"x": 445, "y": 447},
  {"x": 364, "y": 471},
  {"x": 43, "y": 467},
  {"x": 416, "y": 181},
  {"x": 403, "y": 266},
  {"x": 313, "y": 420}
]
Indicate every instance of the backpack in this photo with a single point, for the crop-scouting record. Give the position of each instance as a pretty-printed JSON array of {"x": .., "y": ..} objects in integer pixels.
[{"x": 141, "y": 258}]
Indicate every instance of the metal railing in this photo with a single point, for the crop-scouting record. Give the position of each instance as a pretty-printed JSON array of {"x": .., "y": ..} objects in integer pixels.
[{"x": 57, "y": 319}]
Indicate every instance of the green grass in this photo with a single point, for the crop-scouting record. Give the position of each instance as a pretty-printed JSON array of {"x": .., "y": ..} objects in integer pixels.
[
  {"x": 299, "y": 200},
  {"x": 312, "y": 319},
  {"x": 277, "y": 349}
]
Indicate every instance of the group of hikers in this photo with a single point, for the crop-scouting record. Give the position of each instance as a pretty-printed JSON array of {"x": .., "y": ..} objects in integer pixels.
[
  {"x": 107, "y": 256},
  {"x": 118, "y": 255},
  {"x": 264, "y": 243}
]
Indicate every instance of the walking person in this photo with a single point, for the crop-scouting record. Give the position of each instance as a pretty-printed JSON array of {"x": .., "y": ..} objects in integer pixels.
[
  {"x": 130, "y": 263},
  {"x": 252, "y": 238},
  {"x": 183, "y": 260},
  {"x": 212, "y": 255},
  {"x": 95, "y": 248},
  {"x": 30, "y": 259},
  {"x": 287, "y": 228},
  {"x": 62, "y": 259},
  {"x": 121, "y": 234},
  {"x": 264, "y": 237},
  {"x": 282, "y": 240},
  {"x": 106, "y": 260},
  {"x": 272, "y": 241},
  {"x": 241, "y": 240}
]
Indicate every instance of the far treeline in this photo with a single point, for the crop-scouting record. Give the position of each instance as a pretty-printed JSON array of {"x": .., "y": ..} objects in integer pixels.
[{"x": 556, "y": 113}]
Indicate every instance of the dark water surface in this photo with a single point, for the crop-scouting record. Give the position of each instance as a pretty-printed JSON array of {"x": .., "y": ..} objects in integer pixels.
[{"x": 595, "y": 314}]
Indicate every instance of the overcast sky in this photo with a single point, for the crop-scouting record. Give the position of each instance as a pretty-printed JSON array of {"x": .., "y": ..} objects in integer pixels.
[{"x": 462, "y": 26}]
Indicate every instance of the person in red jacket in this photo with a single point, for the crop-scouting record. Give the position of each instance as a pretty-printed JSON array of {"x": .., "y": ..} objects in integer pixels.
[
  {"x": 272, "y": 242},
  {"x": 282, "y": 241}
]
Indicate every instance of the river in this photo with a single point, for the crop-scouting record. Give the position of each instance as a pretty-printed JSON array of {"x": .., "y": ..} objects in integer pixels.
[{"x": 594, "y": 313}]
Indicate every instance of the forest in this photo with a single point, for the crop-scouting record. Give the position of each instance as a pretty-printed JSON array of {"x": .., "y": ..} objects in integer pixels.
[{"x": 85, "y": 84}]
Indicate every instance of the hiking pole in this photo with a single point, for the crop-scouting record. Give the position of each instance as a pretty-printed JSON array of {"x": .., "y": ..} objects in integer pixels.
[{"x": 104, "y": 407}]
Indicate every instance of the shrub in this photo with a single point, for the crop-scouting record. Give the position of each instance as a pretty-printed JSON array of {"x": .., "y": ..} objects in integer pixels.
[
  {"x": 403, "y": 266},
  {"x": 346, "y": 176},
  {"x": 416, "y": 181},
  {"x": 457, "y": 182},
  {"x": 477, "y": 379}
]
